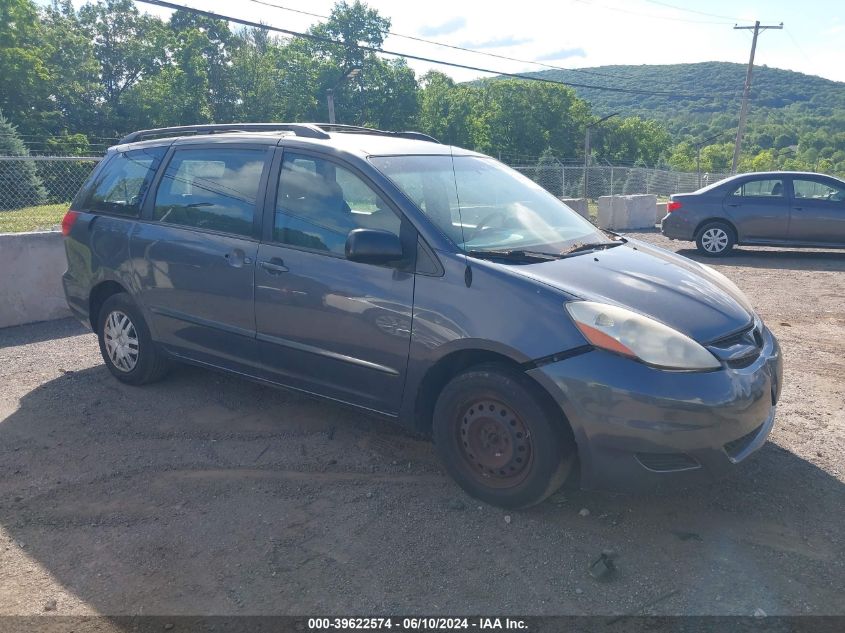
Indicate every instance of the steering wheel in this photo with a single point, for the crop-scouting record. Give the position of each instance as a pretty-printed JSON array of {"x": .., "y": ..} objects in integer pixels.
[{"x": 485, "y": 222}]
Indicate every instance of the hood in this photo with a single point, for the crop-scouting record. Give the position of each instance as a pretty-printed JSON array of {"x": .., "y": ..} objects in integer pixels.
[{"x": 677, "y": 291}]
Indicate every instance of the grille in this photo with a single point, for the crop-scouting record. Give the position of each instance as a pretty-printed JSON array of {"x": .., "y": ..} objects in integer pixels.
[
  {"x": 667, "y": 462},
  {"x": 741, "y": 349},
  {"x": 735, "y": 447},
  {"x": 745, "y": 361}
]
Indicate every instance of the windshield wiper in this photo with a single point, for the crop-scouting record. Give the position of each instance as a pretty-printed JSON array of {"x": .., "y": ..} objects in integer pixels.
[
  {"x": 589, "y": 246},
  {"x": 514, "y": 255}
]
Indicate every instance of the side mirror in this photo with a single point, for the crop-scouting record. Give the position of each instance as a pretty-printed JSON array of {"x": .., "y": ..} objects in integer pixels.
[{"x": 372, "y": 246}]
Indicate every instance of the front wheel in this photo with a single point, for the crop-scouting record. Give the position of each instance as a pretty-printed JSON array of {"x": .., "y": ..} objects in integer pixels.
[
  {"x": 715, "y": 238},
  {"x": 499, "y": 440},
  {"x": 128, "y": 350}
]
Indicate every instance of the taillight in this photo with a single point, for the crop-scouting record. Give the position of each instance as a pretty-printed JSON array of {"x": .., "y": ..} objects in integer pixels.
[
  {"x": 68, "y": 221},
  {"x": 673, "y": 205}
]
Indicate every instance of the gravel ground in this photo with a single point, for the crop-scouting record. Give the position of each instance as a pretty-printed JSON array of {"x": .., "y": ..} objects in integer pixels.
[{"x": 206, "y": 494}]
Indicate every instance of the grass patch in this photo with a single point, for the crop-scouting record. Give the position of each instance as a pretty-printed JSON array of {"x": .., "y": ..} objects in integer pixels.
[{"x": 44, "y": 217}]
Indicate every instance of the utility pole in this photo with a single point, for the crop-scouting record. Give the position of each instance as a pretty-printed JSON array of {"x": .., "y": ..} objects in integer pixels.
[
  {"x": 743, "y": 110},
  {"x": 590, "y": 126}
]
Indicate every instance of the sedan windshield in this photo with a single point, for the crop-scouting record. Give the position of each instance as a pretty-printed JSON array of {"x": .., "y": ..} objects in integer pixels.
[{"x": 484, "y": 206}]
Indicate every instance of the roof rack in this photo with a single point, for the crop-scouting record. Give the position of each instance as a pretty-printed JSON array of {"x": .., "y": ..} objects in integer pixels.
[
  {"x": 308, "y": 130},
  {"x": 300, "y": 129},
  {"x": 358, "y": 129}
]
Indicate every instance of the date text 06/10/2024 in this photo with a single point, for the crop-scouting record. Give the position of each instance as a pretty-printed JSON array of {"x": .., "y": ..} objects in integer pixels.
[{"x": 416, "y": 624}]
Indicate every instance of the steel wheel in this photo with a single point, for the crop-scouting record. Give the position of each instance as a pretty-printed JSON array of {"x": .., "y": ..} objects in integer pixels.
[
  {"x": 500, "y": 437},
  {"x": 495, "y": 444},
  {"x": 121, "y": 340},
  {"x": 715, "y": 239}
]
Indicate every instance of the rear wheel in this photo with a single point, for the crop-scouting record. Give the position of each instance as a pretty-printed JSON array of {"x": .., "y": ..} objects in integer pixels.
[
  {"x": 499, "y": 440},
  {"x": 715, "y": 238},
  {"x": 128, "y": 350}
]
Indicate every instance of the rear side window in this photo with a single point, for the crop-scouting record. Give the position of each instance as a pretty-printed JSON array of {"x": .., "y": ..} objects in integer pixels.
[
  {"x": 120, "y": 188},
  {"x": 817, "y": 190},
  {"x": 213, "y": 189},
  {"x": 761, "y": 189}
]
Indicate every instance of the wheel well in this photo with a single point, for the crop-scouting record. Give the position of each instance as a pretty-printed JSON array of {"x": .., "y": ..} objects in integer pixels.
[
  {"x": 453, "y": 364},
  {"x": 99, "y": 294},
  {"x": 727, "y": 223}
]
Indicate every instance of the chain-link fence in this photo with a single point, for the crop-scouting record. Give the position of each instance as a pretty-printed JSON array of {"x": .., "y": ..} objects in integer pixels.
[
  {"x": 568, "y": 180},
  {"x": 32, "y": 181},
  {"x": 37, "y": 181}
]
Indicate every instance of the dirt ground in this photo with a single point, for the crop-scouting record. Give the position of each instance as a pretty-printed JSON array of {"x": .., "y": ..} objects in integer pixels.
[{"x": 206, "y": 494}]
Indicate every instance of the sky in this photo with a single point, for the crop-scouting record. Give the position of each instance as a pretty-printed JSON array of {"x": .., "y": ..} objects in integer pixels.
[{"x": 585, "y": 33}]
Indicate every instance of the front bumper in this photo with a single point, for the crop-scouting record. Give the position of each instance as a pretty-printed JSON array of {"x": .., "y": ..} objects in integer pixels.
[{"x": 639, "y": 428}]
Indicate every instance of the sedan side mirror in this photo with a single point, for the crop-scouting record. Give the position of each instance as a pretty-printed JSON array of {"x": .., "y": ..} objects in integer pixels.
[{"x": 373, "y": 246}]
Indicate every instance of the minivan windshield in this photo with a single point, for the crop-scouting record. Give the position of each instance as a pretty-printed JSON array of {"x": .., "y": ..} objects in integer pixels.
[{"x": 484, "y": 206}]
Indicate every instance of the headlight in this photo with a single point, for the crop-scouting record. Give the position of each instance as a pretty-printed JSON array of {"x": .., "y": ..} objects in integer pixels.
[{"x": 631, "y": 334}]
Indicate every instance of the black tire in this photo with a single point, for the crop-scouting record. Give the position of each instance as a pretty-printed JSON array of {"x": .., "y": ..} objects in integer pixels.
[
  {"x": 715, "y": 239},
  {"x": 525, "y": 448},
  {"x": 143, "y": 362}
]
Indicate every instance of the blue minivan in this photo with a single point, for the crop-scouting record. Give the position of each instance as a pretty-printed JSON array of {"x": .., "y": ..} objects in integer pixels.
[{"x": 428, "y": 284}]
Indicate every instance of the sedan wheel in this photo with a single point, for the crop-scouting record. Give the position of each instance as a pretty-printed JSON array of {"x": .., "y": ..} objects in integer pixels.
[{"x": 715, "y": 239}]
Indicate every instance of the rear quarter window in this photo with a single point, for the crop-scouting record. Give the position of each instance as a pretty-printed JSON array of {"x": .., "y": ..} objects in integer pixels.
[{"x": 119, "y": 188}]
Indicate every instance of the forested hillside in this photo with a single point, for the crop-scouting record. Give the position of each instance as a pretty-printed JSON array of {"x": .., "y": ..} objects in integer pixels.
[
  {"x": 794, "y": 120},
  {"x": 74, "y": 79}
]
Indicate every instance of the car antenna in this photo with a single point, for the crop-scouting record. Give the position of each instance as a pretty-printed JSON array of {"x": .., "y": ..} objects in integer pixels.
[{"x": 468, "y": 269}]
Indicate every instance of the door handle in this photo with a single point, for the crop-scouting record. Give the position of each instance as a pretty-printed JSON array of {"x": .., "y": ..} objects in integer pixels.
[
  {"x": 274, "y": 266},
  {"x": 798, "y": 208},
  {"x": 733, "y": 204}
]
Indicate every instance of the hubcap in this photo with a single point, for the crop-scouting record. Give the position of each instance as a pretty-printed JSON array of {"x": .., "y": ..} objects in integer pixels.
[
  {"x": 121, "y": 341},
  {"x": 494, "y": 443},
  {"x": 714, "y": 240}
]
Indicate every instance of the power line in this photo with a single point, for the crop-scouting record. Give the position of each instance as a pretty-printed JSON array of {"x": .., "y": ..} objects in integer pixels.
[
  {"x": 710, "y": 15},
  {"x": 797, "y": 45},
  {"x": 375, "y": 49},
  {"x": 650, "y": 15},
  {"x": 456, "y": 47}
]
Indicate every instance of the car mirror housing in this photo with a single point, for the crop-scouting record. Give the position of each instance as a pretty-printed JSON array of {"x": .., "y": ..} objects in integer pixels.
[{"x": 373, "y": 246}]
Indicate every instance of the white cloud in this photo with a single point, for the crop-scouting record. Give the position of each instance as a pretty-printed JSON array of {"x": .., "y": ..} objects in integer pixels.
[{"x": 606, "y": 31}]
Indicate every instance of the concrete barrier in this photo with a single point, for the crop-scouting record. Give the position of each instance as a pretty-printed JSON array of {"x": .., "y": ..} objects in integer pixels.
[
  {"x": 627, "y": 212},
  {"x": 579, "y": 205},
  {"x": 661, "y": 212},
  {"x": 31, "y": 267}
]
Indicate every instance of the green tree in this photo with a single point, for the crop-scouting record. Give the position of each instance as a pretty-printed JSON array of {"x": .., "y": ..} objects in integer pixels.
[
  {"x": 633, "y": 139},
  {"x": 528, "y": 117},
  {"x": 74, "y": 70},
  {"x": 682, "y": 156},
  {"x": 202, "y": 50},
  {"x": 446, "y": 110},
  {"x": 25, "y": 77},
  {"x": 129, "y": 46},
  {"x": 717, "y": 157},
  {"x": 383, "y": 93},
  {"x": 20, "y": 185}
]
